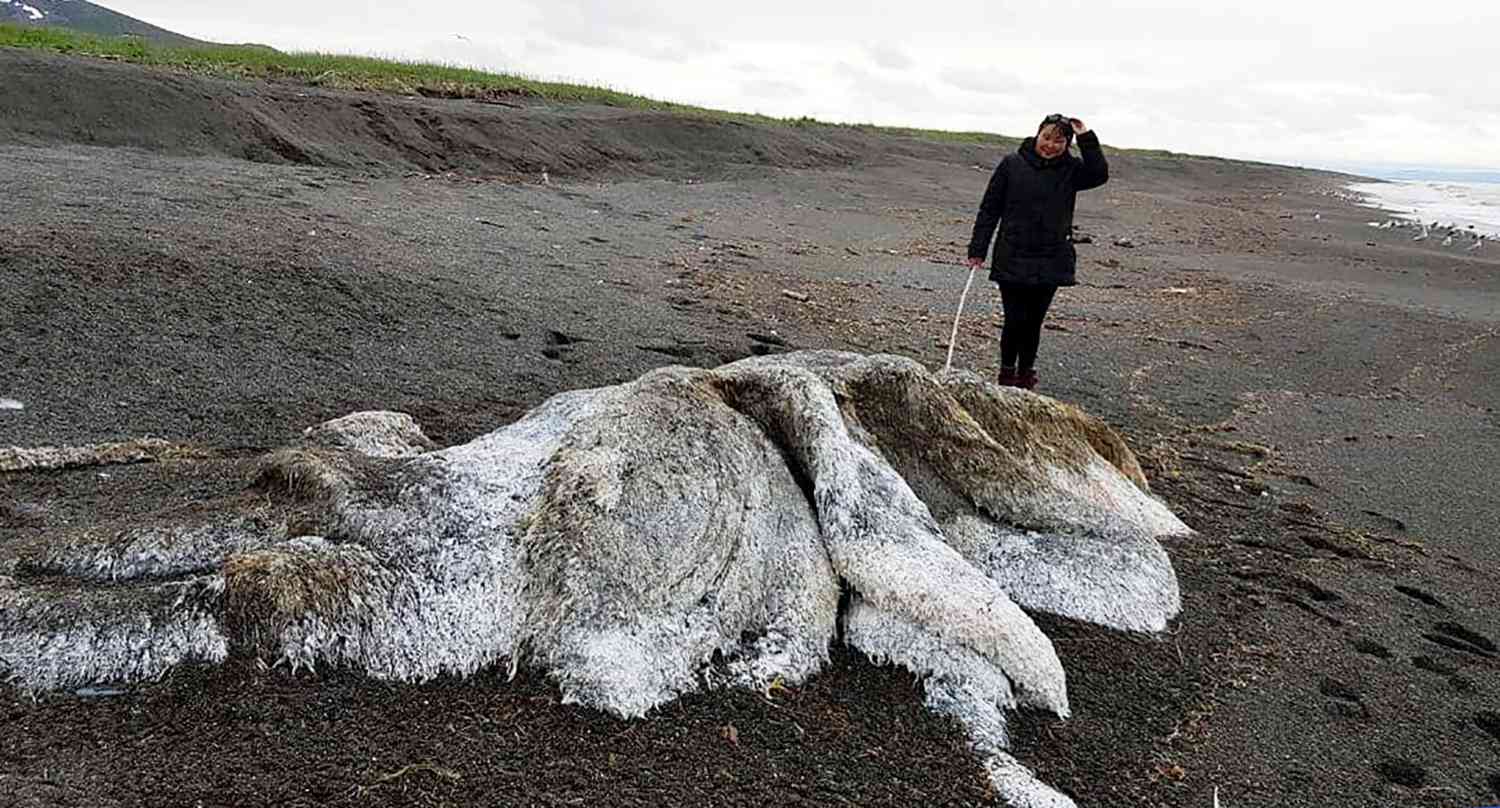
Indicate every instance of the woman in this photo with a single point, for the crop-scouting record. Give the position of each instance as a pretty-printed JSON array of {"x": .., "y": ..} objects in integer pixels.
[{"x": 1031, "y": 197}]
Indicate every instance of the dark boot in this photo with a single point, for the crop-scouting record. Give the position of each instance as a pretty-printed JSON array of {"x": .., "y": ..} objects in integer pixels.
[
  {"x": 1009, "y": 377},
  {"x": 1026, "y": 380}
]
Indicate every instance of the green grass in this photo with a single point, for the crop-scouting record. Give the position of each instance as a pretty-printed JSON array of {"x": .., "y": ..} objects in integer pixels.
[
  {"x": 421, "y": 78},
  {"x": 322, "y": 69},
  {"x": 392, "y": 76}
]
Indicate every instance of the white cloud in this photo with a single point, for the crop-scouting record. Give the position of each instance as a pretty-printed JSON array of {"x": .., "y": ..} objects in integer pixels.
[
  {"x": 771, "y": 89},
  {"x": 890, "y": 56},
  {"x": 980, "y": 81}
]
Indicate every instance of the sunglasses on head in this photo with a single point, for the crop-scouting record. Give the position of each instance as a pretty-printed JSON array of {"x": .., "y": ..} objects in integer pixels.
[{"x": 1058, "y": 119}]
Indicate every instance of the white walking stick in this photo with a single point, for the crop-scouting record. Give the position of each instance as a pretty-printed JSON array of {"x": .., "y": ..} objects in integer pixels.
[{"x": 953, "y": 339}]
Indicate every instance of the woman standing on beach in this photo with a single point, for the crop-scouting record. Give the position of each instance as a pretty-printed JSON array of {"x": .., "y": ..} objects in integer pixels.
[{"x": 1030, "y": 196}]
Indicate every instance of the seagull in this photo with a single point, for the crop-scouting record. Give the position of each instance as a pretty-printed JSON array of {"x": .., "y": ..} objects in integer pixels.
[
  {"x": 1448, "y": 242},
  {"x": 1422, "y": 236},
  {"x": 1478, "y": 242},
  {"x": 1317, "y": 217},
  {"x": 461, "y": 36}
]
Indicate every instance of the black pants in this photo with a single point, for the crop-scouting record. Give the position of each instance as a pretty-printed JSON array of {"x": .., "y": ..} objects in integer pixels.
[{"x": 1025, "y": 309}]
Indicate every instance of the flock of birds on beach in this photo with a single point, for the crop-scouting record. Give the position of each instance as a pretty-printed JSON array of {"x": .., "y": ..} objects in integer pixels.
[{"x": 1451, "y": 234}]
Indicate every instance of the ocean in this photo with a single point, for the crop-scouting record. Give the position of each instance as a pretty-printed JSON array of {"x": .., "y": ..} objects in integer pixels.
[{"x": 1465, "y": 201}]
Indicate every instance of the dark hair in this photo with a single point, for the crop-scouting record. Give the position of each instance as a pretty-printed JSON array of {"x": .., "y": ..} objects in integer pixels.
[{"x": 1059, "y": 120}]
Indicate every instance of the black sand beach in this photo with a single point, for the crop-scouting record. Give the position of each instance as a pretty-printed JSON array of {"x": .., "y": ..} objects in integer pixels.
[{"x": 222, "y": 264}]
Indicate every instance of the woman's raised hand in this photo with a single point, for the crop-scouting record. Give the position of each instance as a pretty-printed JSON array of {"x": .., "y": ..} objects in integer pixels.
[{"x": 1079, "y": 127}]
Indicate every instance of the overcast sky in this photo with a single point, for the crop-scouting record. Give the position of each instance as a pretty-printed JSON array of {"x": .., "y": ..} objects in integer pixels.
[{"x": 1308, "y": 82}]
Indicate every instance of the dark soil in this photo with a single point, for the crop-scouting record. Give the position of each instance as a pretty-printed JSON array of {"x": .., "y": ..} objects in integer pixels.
[
  {"x": 226, "y": 263},
  {"x": 240, "y": 736}
]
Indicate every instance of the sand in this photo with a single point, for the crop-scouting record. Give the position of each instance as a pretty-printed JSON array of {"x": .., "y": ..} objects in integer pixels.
[{"x": 222, "y": 264}]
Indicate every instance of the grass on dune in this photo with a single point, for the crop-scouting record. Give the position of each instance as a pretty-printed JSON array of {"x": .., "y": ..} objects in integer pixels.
[
  {"x": 424, "y": 78},
  {"x": 392, "y": 76}
]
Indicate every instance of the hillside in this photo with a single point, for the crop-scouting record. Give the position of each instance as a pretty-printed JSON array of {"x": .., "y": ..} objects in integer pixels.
[{"x": 88, "y": 18}]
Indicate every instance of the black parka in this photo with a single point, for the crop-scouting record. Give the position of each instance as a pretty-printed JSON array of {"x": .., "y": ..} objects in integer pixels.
[{"x": 1032, "y": 200}]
